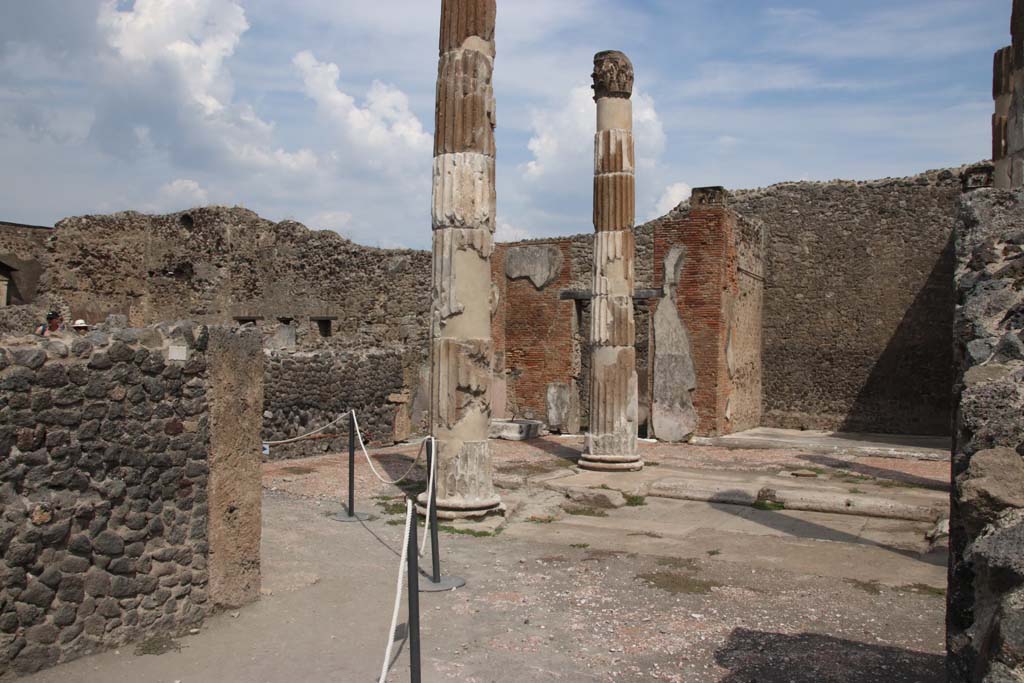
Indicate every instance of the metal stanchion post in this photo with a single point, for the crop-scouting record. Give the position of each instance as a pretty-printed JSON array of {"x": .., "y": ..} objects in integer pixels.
[
  {"x": 414, "y": 604},
  {"x": 350, "y": 514},
  {"x": 436, "y": 583}
]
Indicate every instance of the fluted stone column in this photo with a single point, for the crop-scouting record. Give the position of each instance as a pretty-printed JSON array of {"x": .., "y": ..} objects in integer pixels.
[
  {"x": 463, "y": 218},
  {"x": 611, "y": 440},
  {"x": 1015, "y": 116},
  {"x": 1002, "y": 93}
]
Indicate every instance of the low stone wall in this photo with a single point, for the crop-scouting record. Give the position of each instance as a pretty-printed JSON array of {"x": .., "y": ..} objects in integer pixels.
[
  {"x": 986, "y": 577},
  {"x": 306, "y": 391},
  {"x": 108, "y": 451}
]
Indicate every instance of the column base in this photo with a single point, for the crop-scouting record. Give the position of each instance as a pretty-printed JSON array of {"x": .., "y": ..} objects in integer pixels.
[
  {"x": 453, "y": 509},
  {"x": 611, "y": 463}
]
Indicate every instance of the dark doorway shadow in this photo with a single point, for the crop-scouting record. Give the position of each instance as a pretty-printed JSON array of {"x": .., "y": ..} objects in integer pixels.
[
  {"x": 909, "y": 388},
  {"x": 764, "y": 657}
]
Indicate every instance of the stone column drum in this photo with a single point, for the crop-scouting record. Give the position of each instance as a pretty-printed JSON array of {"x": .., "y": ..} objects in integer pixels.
[
  {"x": 463, "y": 219},
  {"x": 1002, "y": 93},
  {"x": 1014, "y": 135},
  {"x": 611, "y": 439}
]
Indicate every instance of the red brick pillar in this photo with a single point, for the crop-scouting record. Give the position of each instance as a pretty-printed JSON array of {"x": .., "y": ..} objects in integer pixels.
[{"x": 707, "y": 284}]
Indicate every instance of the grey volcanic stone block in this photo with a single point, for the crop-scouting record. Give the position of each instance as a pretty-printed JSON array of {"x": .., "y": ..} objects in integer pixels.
[{"x": 541, "y": 264}]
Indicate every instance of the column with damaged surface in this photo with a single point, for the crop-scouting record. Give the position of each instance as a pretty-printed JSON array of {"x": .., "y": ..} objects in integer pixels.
[
  {"x": 611, "y": 439},
  {"x": 463, "y": 218},
  {"x": 1014, "y": 131},
  {"x": 1002, "y": 93}
]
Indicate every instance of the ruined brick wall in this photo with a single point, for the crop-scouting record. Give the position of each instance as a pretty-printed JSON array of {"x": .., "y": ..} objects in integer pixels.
[
  {"x": 858, "y": 303},
  {"x": 22, "y": 249},
  {"x": 540, "y": 339},
  {"x": 107, "y": 451},
  {"x": 539, "y": 327},
  {"x": 986, "y": 571},
  {"x": 308, "y": 390},
  {"x": 720, "y": 316}
]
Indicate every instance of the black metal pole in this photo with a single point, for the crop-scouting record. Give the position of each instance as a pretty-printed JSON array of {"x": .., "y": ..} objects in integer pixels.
[
  {"x": 351, "y": 464},
  {"x": 350, "y": 515},
  {"x": 435, "y": 549},
  {"x": 414, "y": 602},
  {"x": 436, "y": 583}
]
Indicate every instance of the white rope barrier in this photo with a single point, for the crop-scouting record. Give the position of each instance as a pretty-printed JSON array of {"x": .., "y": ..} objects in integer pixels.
[
  {"x": 305, "y": 436},
  {"x": 373, "y": 469},
  {"x": 431, "y": 483},
  {"x": 409, "y": 521}
]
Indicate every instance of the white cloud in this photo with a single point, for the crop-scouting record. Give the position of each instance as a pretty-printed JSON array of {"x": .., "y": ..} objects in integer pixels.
[
  {"x": 507, "y": 232},
  {"x": 563, "y": 138},
  {"x": 179, "y": 195},
  {"x": 173, "y": 54},
  {"x": 337, "y": 221},
  {"x": 192, "y": 38},
  {"x": 385, "y": 126},
  {"x": 672, "y": 197}
]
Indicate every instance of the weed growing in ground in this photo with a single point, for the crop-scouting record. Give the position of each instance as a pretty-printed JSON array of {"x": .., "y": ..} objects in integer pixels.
[
  {"x": 466, "y": 532},
  {"x": 587, "y": 512}
]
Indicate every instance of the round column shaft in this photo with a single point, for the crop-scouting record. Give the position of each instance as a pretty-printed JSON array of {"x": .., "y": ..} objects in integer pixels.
[
  {"x": 463, "y": 222},
  {"x": 611, "y": 440}
]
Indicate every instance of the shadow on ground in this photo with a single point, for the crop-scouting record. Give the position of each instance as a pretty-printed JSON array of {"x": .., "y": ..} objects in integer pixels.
[
  {"x": 570, "y": 454},
  {"x": 761, "y": 657},
  {"x": 802, "y": 528},
  {"x": 876, "y": 472}
]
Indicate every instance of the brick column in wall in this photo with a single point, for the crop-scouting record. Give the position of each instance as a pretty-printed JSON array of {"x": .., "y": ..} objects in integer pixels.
[{"x": 707, "y": 281}]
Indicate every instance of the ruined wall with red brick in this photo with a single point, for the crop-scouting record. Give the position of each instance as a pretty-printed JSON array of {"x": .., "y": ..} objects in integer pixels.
[
  {"x": 703, "y": 230},
  {"x": 536, "y": 343}
]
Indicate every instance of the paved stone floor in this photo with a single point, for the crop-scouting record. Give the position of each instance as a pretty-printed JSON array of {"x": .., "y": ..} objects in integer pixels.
[
  {"x": 663, "y": 589},
  {"x": 885, "y": 445}
]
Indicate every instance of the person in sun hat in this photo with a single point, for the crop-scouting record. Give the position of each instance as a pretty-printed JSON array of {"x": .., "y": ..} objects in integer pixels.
[{"x": 80, "y": 327}]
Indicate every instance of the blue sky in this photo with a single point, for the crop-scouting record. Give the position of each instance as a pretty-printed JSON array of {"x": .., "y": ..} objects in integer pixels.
[{"x": 322, "y": 110}]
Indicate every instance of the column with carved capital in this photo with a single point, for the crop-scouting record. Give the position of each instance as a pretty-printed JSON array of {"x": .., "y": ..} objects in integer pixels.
[
  {"x": 611, "y": 440},
  {"x": 463, "y": 221}
]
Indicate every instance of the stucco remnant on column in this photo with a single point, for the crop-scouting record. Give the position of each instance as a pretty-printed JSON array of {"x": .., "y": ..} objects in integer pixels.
[
  {"x": 611, "y": 442},
  {"x": 463, "y": 222}
]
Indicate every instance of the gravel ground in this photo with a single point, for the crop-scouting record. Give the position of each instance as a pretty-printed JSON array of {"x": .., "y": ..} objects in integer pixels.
[
  {"x": 640, "y": 618},
  {"x": 543, "y": 612}
]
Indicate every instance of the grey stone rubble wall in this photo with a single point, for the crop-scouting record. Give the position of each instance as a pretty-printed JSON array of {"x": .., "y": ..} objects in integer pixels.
[
  {"x": 216, "y": 263},
  {"x": 858, "y": 302},
  {"x": 985, "y": 619},
  {"x": 103, "y": 486},
  {"x": 305, "y": 391}
]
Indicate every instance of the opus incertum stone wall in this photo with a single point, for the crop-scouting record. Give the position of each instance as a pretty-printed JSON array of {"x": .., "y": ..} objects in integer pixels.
[
  {"x": 129, "y": 487},
  {"x": 858, "y": 302},
  {"x": 985, "y": 628},
  {"x": 308, "y": 390}
]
